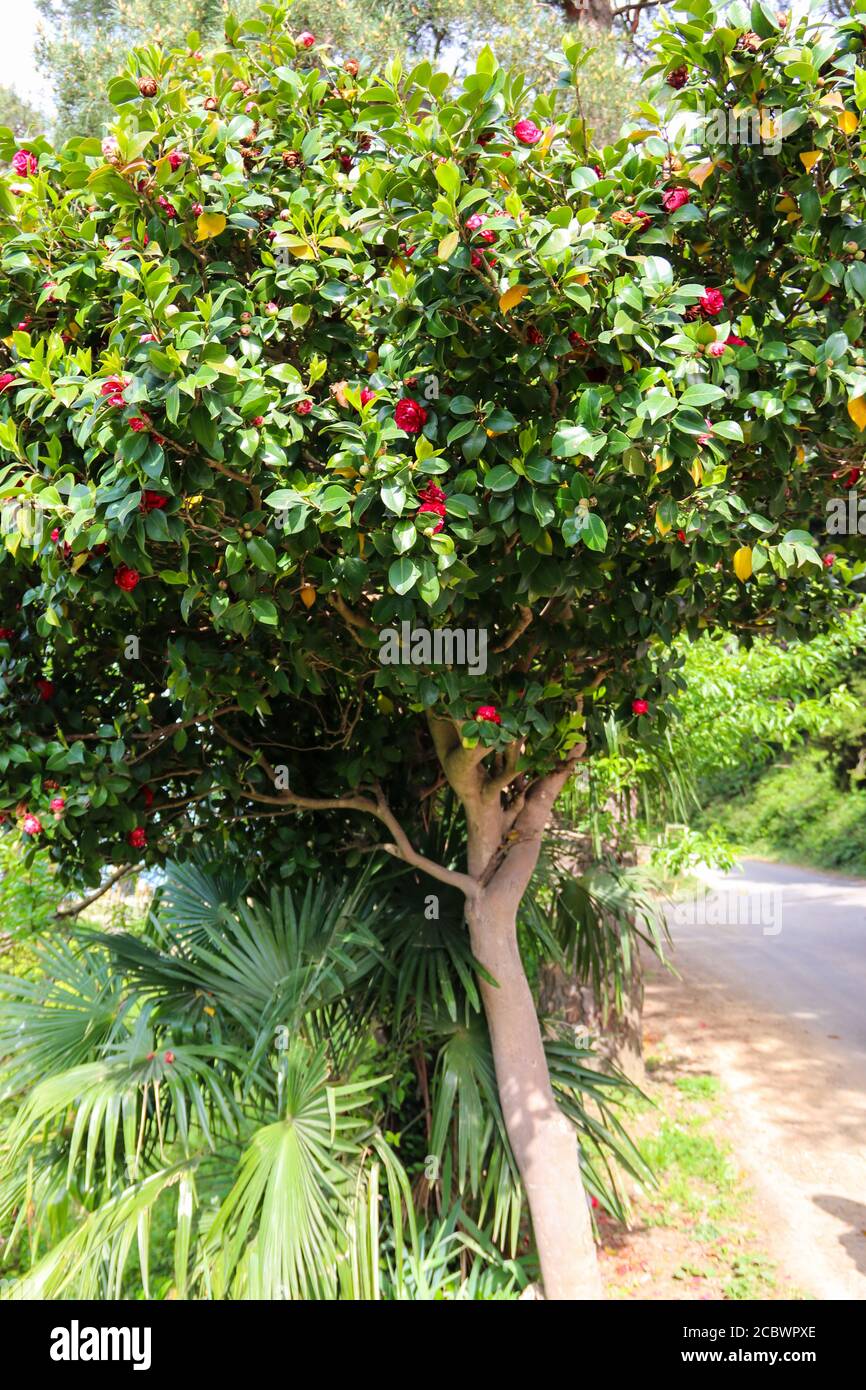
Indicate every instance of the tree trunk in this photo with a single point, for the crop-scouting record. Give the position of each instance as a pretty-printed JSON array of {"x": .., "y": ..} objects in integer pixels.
[{"x": 543, "y": 1141}]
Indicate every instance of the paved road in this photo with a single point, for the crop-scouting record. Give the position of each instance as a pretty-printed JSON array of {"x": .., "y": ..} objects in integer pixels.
[{"x": 773, "y": 998}]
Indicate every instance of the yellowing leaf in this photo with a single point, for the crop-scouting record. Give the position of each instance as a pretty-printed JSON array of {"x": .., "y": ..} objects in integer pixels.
[
  {"x": 511, "y": 297},
  {"x": 769, "y": 128},
  {"x": 548, "y": 138},
  {"x": 209, "y": 224},
  {"x": 338, "y": 243},
  {"x": 582, "y": 278},
  {"x": 786, "y": 204},
  {"x": 662, "y": 526},
  {"x": 301, "y": 249},
  {"x": 697, "y": 472},
  {"x": 447, "y": 246},
  {"x": 372, "y": 361},
  {"x": 745, "y": 286},
  {"x": 800, "y": 455},
  {"x": 743, "y": 563},
  {"x": 701, "y": 172},
  {"x": 662, "y": 461},
  {"x": 857, "y": 411},
  {"x": 848, "y": 122},
  {"x": 810, "y": 159}
]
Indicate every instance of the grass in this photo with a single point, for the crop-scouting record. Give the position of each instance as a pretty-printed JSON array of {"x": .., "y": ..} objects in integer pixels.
[{"x": 702, "y": 1206}]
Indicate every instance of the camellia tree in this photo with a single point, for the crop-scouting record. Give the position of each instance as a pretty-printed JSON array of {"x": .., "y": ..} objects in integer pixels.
[{"x": 300, "y": 356}]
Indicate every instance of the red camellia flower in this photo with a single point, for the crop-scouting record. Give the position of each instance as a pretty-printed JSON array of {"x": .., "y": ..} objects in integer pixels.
[
  {"x": 678, "y": 78},
  {"x": 114, "y": 386},
  {"x": 716, "y": 349},
  {"x": 148, "y": 338},
  {"x": 410, "y": 416},
  {"x": 711, "y": 302},
  {"x": 137, "y": 838},
  {"x": 45, "y": 688},
  {"x": 147, "y": 796},
  {"x": 169, "y": 1057},
  {"x": 437, "y": 509},
  {"x": 534, "y": 336},
  {"x": 152, "y": 501},
  {"x": 24, "y": 163},
  {"x": 57, "y": 805},
  {"x": 851, "y": 478},
  {"x": 138, "y": 423},
  {"x": 176, "y": 158},
  {"x": 306, "y": 39},
  {"x": 527, "y": 132},
  {"x": 126, "y": 578},
  {"x": 367, "y": 395},
  {"x": 303, "y": 407},
  {"x": 488, "y": 714},
  {"x": 197, "y": 211},
  {"x": 577, "y": 340},
  {"x": 474, "y": 222},
  {"x": 829, "y": 560},
  {"x": 6, "y": 379},
  {"x": 675, "y": 198},
  {"x": 168, "y": 208},
  {"x": 432, "y": 493},
  {"x": 6, "y": 634},
  {"x": 32, "y": 825},
  {"x": 681, "y": 536},
  {"x": 733, "y": 341},
  {"x": 639, "y": 707}
]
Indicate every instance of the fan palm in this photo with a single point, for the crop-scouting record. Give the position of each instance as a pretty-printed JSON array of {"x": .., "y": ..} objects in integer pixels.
[{"x": 226, "y": 1097}]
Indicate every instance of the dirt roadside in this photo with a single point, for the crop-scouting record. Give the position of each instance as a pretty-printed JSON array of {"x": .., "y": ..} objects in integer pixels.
[{"x": 792, "y": 1114}]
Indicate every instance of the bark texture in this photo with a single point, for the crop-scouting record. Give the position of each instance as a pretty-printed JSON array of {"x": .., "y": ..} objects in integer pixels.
[{"x": 544, "y": 1143}]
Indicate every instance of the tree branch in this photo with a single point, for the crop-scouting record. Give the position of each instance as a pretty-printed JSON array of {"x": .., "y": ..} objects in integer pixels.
[{"x": 73, "y": 909}]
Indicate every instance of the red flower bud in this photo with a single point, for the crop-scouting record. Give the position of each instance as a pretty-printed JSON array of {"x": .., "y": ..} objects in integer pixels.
[
  {"x": 527, "y": 132},
  {"x": 487, "y": 714}
]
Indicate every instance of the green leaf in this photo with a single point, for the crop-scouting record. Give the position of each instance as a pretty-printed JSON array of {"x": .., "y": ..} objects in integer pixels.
[{"x": 403, "y": 575}]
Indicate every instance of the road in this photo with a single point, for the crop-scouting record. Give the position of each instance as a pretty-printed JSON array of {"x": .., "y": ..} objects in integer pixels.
[{"x": 773, "y": 1000}]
